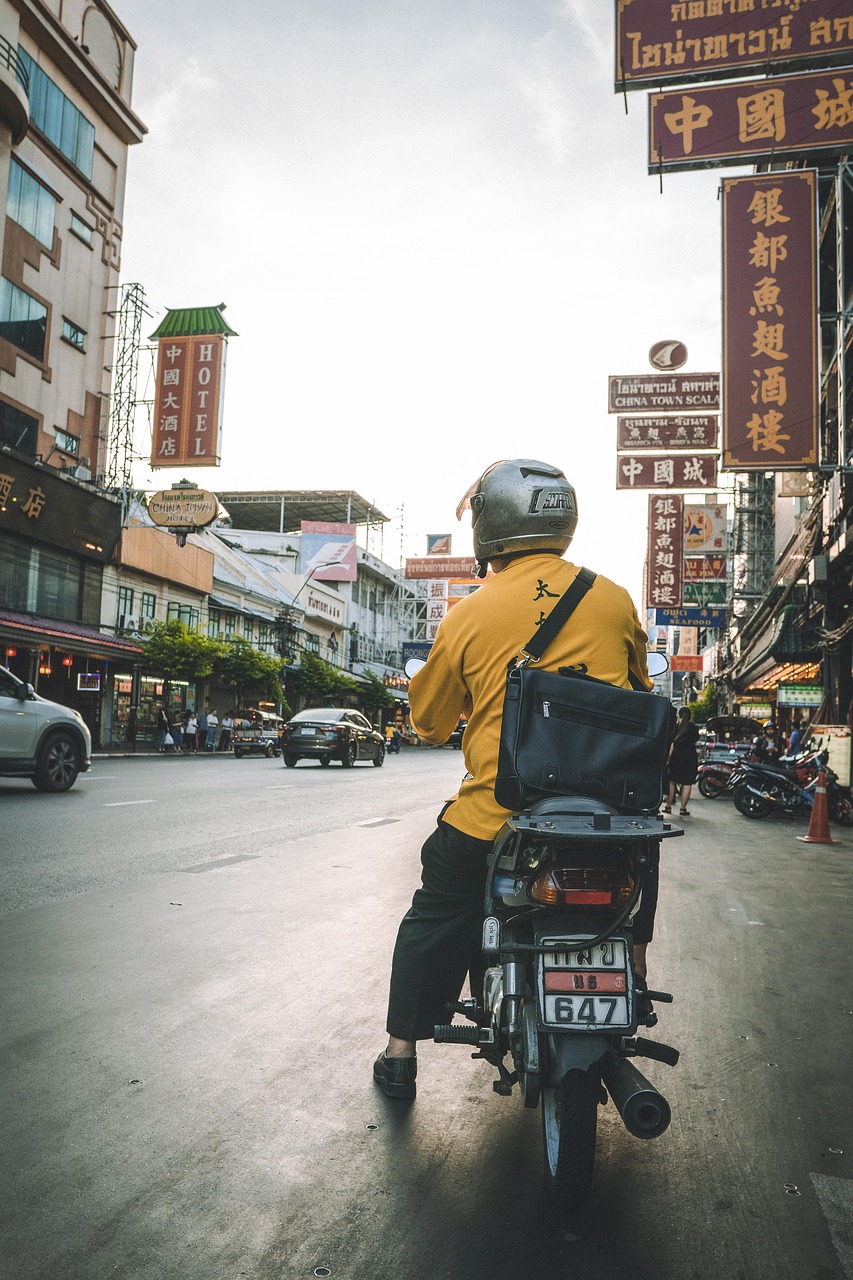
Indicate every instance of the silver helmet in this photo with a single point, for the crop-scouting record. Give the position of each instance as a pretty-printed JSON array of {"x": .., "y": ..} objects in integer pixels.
[{"x": 520, "y": 505}]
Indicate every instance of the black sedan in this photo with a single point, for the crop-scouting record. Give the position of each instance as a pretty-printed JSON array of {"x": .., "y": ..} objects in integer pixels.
[{"x": 331, "y": 733}]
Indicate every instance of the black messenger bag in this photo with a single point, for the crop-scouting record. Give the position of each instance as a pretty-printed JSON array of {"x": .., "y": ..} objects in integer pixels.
[{"x": 564, "y": 733}]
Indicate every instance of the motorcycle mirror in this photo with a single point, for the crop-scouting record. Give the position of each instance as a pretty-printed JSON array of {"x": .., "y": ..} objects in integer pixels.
[
  {"x": 413, "y": 666},
  {"x": 657, "y": 663}
]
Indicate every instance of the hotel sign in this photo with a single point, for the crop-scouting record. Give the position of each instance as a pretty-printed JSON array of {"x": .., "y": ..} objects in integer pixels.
[
  {"x": 751, "y": 121},
  {"x": 690, "y": 40},
  {"x": 670, "y": 393},
  {"x": 770, "y": 320},
  {"x": 183, "y": 508},
  {"x": 188, "y": 401}
]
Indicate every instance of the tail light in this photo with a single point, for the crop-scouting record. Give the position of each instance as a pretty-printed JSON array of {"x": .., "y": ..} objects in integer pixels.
[{"x": 603, "y": 883}]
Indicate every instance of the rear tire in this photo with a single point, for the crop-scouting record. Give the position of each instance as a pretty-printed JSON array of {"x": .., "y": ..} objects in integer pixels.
[
  {"x": 58, "y": 764},
  {"x": 711, "y": 785},
  {"x": 290, "y": 761},
  {"x": 751, "y": 805},
  {"x": 569, "y": 1120},
  {"x": 270, "y": 752},
  {"x": 379, "y": 758},
  {"x": 350, "y": 755},
  {"x": 325, "y": 760}
]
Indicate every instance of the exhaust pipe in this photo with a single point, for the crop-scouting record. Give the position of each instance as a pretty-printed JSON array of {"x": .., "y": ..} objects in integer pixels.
[{"x": 645, "y": 1112}]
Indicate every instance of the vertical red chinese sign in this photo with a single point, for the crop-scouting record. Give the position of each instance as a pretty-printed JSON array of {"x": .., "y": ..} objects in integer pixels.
[
  {"x": 187, "y": 408},
  {"x": 666, "y": 550},
  {"x": 770, "y": 322}
]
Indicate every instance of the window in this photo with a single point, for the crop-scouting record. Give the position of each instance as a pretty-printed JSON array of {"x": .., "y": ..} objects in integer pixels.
[
  {"x": 30, "y": 204},
  {"x": 74, "y": 334},
  {"x": 68, "y": 443},
  {"x": 55, "y": 115},
  {"x": 184, "y": 613},
  {"x": 23, "y": 320},
  {"x": 312, "y": 643},
  {"x": 214, "y": 623},
  {"x": 229, "y": 625},
  {"x": 249, "y": 629},
  {"x": 81, "y": 230},
  {"x": 18, "y": 430},
  {"x": 125, "y": 601},
  {"x": 263, "y": 635},
  {"x": 148, "y": 605}
]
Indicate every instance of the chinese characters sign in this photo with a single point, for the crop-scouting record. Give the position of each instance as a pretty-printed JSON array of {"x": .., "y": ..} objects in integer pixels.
[
  {"x": 671, "y": 393},
  {"x": 770, "y": 370},
  {"x": 666, "y": 522},
  {"x": 704, "y": 529},
  {"x": 36, "y": 503},
  {"x": 681, "y": 431},
  {"x": 751, "y": 121},
  {"x": 682, "y": 471},
  {"x": 187, "y": 407},
  {"x": 687, "y": 40}
]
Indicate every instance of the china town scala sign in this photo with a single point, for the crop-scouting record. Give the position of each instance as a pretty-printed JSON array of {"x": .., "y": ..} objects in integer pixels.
[{"x": 183, "y": 508}]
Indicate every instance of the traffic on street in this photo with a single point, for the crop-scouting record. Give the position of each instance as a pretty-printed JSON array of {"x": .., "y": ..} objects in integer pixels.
[{"x": 196, "y": 953}]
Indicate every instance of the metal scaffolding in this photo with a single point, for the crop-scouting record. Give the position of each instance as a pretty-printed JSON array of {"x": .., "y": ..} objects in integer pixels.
[
  {"x": 118, "y": 466},
  {"x": 753, "y": 541}
]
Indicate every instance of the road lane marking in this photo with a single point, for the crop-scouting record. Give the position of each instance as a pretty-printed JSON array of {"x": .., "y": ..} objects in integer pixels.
[
  {"x": 121, "y": 804},
  {"x": 378, "y": 822},
  {"x": 733, "y": 912},
  {"x": 836, "y": 1201},
  {"x": 219, "y": 862}
]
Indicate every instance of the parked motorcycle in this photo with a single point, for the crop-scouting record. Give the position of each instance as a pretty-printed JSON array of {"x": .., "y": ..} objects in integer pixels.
[
  {"x": 767, "y": 789},
  {"x": 560, "y": 995},
  {"x": 722, "y": 777}
]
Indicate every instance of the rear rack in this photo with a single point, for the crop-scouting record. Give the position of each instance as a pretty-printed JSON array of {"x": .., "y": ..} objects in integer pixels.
[{"x": 594, "y": 825}]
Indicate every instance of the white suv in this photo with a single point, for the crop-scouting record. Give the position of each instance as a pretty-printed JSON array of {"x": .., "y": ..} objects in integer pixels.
[{"x": 39, "y": 739}]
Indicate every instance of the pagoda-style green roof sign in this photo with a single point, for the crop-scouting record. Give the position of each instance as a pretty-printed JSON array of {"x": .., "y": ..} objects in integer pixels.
[{"x": 191, "y": 322}]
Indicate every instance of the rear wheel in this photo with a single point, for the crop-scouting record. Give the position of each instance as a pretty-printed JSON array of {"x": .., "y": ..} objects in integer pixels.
[
  {"x": 290, "y": 761},
  {"x": 379, "y": 758},
  {"x": 752, "y": 805},
  {"x": 325, "y": 760},
  {"x": 270, "y": 751},
  {"x": 350, "y": 755},
  {"x": 58, "y": 764},
  {"x": 238, "y": 755},
  {"x": 711, "y": 785},
  {"x": 569, "y": 1120}
]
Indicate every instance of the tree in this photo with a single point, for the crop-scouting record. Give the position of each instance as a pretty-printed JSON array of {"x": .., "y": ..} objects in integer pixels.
[
  {"x": 376, "y": 696},
  {"x": 320, "y": 683},
  {"x": 173, "y": 651},
  {"x": 249, "y": 670},
  {"x": 705, "y": 705}
]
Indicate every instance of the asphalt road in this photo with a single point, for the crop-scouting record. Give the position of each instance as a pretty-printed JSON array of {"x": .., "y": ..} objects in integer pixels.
[{"x": 194, "y": 959}]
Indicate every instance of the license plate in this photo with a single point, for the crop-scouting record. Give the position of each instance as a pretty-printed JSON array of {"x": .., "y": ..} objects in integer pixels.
[
  {"x": 607, "y": 955},
  {"x": 308, "y": 733},
  {"x": 586, "y": 988},
  {"x": 587, "y": 1011}
]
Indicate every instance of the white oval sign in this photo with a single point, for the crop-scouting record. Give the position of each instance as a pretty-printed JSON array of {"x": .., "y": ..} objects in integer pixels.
[
  {"x": 183, "y": 508},
  {"x": 668, "y": 355}
]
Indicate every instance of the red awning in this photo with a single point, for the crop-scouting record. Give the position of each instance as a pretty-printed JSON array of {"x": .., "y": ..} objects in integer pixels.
[{"x": 27, "y": 628}]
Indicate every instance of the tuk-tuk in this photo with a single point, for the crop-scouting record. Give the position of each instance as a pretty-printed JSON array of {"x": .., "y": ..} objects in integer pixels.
[
  {"x": 728, "y": 736},
  {"x": 256, "y": 733}
]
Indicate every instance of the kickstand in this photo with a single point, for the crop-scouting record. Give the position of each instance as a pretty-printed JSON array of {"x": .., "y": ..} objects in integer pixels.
[{"x": 507, "y": 1079}]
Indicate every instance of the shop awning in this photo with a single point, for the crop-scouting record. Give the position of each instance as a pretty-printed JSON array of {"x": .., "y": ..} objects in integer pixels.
[
  {"x": 789, "y": 640},
  {"x": 29, "y": 629}
]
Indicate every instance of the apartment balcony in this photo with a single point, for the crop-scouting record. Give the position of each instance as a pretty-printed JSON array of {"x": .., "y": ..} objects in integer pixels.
[{"x": 14, "y": 92}]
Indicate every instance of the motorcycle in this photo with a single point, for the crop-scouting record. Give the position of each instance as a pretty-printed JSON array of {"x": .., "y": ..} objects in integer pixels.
[
  {"x": 767, "y": 789},
  {"x": 723, "y": 777},
  {"x": 560, "y": 995}
]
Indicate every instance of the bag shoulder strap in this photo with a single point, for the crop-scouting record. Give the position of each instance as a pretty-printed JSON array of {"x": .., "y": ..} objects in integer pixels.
[{"x": 559, "y": 615}]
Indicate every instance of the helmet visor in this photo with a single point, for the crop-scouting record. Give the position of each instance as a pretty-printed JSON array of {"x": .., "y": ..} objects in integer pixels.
[{"x": 465, "y": 502}]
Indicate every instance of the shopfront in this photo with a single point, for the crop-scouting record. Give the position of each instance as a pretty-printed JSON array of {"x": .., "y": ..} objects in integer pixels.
[{"x": 136, "y": 702}]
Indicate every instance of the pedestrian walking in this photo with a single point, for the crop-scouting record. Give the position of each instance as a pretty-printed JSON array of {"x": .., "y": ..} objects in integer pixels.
[{"x": 212, "y": 729}]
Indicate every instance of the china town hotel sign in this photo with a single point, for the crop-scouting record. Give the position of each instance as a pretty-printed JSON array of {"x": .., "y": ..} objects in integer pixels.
[{"x": 187, "y": 425}]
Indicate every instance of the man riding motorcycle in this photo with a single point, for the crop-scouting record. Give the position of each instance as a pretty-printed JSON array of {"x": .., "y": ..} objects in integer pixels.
[{"x": 524, "y": 515}]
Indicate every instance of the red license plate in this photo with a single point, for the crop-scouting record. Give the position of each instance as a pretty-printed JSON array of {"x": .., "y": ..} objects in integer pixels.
[{"x": 566, "y": 980}]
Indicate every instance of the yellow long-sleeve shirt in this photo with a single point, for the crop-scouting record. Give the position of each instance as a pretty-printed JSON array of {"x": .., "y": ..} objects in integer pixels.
[{"x": 466, "y": 671}]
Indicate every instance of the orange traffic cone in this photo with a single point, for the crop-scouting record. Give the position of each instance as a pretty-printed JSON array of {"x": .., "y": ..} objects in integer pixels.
[{"x": 819, "y": 822}]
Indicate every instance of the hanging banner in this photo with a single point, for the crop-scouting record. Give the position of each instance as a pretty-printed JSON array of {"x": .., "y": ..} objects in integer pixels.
[
  {"x": 665, "y": 553},
  {"x": 439, "y": 544},
  {"x": 684, "y": 471},
  {"x": 770, "y": 322},
  {"x": 690, "y": 40},
  {"x": 188, "y": 401},
  {"x": 679, "y": 431},
  {"x": 704, "y": 528},
  {"x": 701, "y": 616},
  {"x": 751, "y": 122},
  {"x": 327, "y": 551}
]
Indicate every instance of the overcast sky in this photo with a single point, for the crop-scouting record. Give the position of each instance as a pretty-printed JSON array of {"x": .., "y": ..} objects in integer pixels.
[{"x": 433, "y": 227}]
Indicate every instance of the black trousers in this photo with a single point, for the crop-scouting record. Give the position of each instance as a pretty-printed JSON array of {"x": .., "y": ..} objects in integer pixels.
[{"x": 440, "y": 937}]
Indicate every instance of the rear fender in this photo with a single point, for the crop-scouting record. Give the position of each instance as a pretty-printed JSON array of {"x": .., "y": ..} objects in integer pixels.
[{"x": 567, "y": 1052}]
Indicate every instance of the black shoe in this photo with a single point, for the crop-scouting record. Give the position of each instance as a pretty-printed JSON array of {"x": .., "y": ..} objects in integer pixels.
[{"x": 396, "y": 1076}]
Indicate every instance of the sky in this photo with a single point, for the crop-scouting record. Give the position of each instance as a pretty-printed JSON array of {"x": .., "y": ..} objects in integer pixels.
[{"x": 434, "y": 230}]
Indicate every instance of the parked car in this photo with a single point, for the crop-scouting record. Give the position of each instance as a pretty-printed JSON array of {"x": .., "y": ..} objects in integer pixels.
[
  {"x": 40, "y": 740},
  {"x": 331, "y": 733},
  {"x": 256, "y": 733}
]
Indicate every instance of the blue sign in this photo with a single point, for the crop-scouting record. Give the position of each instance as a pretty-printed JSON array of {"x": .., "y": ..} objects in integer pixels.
[
  {"x": 701, "y": 616},
  {"x": 416, "y": 649}
]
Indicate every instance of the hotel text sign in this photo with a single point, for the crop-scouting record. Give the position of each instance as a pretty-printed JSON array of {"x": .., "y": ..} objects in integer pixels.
[
  {"x": 690, "y": 40},
  {"x": 187, "y": 407},
  {"x": 770, "y": 357}
]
